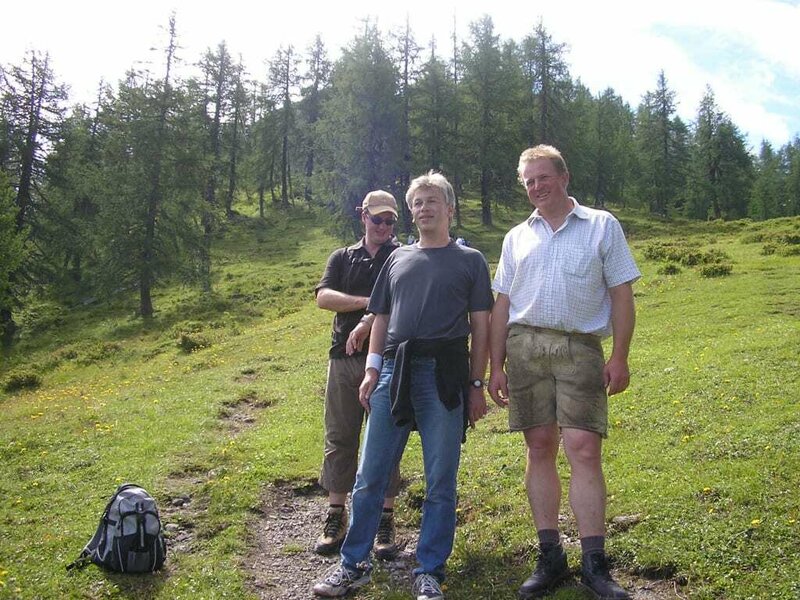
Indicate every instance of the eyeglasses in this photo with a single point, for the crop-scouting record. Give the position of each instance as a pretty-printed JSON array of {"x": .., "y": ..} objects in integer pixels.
[{"x": 379, "y": 221}]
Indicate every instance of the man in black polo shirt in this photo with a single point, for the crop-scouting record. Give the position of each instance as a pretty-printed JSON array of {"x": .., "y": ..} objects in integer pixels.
[{"x": 345, "y": 289}]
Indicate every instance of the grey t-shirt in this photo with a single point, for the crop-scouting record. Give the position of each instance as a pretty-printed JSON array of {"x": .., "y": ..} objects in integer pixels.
[{"x": 428, "y": 292}]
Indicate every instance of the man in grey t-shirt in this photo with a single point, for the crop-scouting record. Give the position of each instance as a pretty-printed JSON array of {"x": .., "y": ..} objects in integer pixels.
[{"x": 420, "y": 373}]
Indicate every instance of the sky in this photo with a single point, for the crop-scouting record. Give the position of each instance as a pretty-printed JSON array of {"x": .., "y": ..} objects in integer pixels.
[{"x": 748, "y": 52}]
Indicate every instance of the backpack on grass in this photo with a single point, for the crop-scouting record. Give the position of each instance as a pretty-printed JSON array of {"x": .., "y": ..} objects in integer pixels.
[{"x": 129, "y": 537}]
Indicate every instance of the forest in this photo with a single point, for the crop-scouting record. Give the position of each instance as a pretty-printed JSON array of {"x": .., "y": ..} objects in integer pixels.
[{"x": 134, "y": 189}]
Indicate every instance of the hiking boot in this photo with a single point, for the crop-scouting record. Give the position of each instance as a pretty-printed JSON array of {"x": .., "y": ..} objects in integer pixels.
[
  {"x": 339, "y": 580},
  {"x": 333, "y": 532},
  {"x": 385, "y": 547},
  {"x": 551, "y": 569},
  {"x": 596, "y": 578},
  {"x": 427, "y": 587}
]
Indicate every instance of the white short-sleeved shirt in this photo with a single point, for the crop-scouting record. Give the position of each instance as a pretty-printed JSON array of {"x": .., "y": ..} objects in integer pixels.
[{"x": 560, "y": 279}]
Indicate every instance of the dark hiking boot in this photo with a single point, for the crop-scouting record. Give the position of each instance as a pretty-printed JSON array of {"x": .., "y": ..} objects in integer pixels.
[
  {"x": 333, "y": 532},
  {"x": 385, "y": 547},
  {"x": 551, "y": 569},
  {"x": 596, "y": 578}
]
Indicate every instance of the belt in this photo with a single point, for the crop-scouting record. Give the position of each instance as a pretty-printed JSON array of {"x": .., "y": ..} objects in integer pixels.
[{"x": 576, "y": 335}]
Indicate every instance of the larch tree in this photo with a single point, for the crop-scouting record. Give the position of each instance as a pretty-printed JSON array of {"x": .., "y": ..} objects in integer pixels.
[
  {"x": 214, "y": 99},
  {"x": 283, "y": 80},
  {"x": 548, "y": 86},
  {"x": 360, "y": 124},
  {"x": 152, "y": 205},
  {"x": 765, "y": 202},
  {"x": 720, "y": 170},
  {"x": 12, "y": 254},
  {"x": 31, "y": 114},
  {"x": 407, "y": 56},
  {"x": 236, "y": 131},
  {"x": 483, "y": 83},
  {"x": 316, "y": 78},
  {"x": 792, "y": 160},
  {"x": 663, "y": 147},
  {"x": 432, "y": 117}
]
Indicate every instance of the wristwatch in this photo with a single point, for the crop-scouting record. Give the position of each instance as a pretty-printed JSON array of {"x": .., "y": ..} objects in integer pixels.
[{"x": 476, "y": 383}]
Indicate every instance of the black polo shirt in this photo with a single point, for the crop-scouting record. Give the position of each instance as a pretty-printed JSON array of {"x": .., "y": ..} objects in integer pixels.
[{"x": 352, "y": 271}]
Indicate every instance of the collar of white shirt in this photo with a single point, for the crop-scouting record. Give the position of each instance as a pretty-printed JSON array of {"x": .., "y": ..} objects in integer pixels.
[{"x": 577, "y": 210}]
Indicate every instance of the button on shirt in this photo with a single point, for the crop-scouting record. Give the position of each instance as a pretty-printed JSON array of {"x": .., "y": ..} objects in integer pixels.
[{"x": 560, "y": 279}]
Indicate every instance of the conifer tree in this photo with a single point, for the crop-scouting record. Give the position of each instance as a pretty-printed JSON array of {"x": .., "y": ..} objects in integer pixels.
[
  {"x": 283, "y": 79},
  {"x": 488, "y": 103},
  {"x": 317, "y": 76},
  {"x": 360, "y": 124},
  {"x": 662, "y": 146}
]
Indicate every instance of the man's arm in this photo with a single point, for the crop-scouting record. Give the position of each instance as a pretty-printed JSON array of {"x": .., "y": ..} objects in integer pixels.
[
  {"x": 376, "y": 343},
  {"x": 478, "y": 357},
  {"x": 331, "y": 299},
  {"x": 498, "y": 382},
  {"x": 360, "y": 333},
  {"x": 616, "y": 375}
]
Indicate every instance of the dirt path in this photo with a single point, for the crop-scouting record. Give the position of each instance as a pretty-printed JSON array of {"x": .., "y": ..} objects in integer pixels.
[
  {"x": 283, "y": 567},
  {"x": 281, "y": 563}
]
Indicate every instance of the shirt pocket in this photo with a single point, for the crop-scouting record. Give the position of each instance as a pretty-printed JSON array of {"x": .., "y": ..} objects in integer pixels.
[{"x": 578, "y": 262}]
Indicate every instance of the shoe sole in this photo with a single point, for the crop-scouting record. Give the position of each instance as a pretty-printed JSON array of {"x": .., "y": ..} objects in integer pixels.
[
  {"x": 386, "y": 554},
  {"x": 543, "y": 592},
  {"x": 325, "y": 550},
  {"x": 595, "y": 595},
  {"x": 353, "y": 586}
]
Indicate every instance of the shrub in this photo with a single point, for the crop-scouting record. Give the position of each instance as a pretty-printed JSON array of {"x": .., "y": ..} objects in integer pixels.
[
  {"x": 683, "y": 255},
  {"x": 753, "y": 238},
  {"x": 21, "y": 378},
  {"x": 669, "y": 269},
  {"x": 186, "y": 327},
  {"x": 190, "y": 342},
  {"x": 768, "y": 249},
  {"x": 792, "y": 239},
  {"x": 39, "y": 317},
  {"x": 717, "y": 270},
  {"x": 85, "y": 353}
]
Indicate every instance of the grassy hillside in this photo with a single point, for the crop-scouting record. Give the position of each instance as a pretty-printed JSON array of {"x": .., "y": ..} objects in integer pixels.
[{"x": 217, "y": 399}]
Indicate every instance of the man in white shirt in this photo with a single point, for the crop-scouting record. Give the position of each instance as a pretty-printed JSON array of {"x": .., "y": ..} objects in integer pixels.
[{"x": 563, "y": 283}]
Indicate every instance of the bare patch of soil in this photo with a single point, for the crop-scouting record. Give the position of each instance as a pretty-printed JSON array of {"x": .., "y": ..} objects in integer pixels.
[
  {"x": 281, "y": 562},
  {"x": 242, "y": 412},
  {"x": 283, "y": 566}
]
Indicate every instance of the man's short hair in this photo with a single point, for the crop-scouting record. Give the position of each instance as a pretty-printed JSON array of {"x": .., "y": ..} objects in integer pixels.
[
  {"x": 542, "y": 151},
  {"x": 431, "y": 180}
]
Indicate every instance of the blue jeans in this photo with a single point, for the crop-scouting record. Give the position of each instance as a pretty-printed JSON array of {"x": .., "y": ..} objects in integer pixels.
[{"x": 440, "y": 431}]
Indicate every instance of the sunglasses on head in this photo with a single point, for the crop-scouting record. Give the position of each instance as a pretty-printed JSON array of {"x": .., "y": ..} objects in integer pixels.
[{"x": 378, "y": 220}]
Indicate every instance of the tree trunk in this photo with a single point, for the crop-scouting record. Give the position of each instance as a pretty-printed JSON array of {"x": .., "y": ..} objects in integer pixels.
[
  {"x": 7, "y": 327},
  {"x": 285, "y": 172},
  {"x": 486, "y": 205},
  {"x": 147, "y": 269},
  {"x": 232, "y": 164},
  {"x": 29, "y": 150}
]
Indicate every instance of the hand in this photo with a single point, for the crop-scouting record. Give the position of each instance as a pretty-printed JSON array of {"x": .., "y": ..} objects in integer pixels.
[
  {"x": 498, "y": 388},
  {"x": 477, "y": 405},
  {"x": 355, "y": 341},
  {"x": 616, "y": 376},
  {"x": 367, "y": 387}
]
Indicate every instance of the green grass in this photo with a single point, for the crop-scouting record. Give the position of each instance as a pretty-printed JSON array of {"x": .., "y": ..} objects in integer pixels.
[{"x": 704, "y": 445}]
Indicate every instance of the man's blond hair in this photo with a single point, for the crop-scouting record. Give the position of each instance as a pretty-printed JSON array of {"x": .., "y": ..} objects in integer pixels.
[{"x": 542, "y": 151}]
